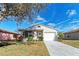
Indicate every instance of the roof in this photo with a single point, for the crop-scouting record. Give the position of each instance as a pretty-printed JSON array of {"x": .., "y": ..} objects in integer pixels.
[
  {"x": 73, "y": 31},
  {"x": 1, "y": 30},
  {"x": 29, "y": 28},
  {"x": 45, "y": 26}
]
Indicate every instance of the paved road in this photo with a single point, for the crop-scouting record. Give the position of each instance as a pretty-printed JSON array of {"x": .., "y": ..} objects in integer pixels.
[{"x": 59, "y": 49}]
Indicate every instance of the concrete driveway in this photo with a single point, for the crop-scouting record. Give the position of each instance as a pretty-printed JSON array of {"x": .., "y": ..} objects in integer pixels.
[{"x": 59, "y": 49}]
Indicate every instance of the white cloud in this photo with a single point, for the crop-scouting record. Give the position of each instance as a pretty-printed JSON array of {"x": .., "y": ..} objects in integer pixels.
[
  {"x": 67, "y": 11},
  {"x": 41, "y": 19},
  {"x": 69, "y": 28},
  {"x": 74, "y": 27},
  {"x": 71, "y": 12},
  {"x": 69, "y": 21},
  {"x": 75, "y": 21},
  {"x": 61, "y": 22},
  {"x": 51, "y": 24}
]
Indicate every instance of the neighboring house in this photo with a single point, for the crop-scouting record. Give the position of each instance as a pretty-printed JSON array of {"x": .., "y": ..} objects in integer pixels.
[
  {"x": 74, "y": 34},
  {"x": 40, "y": 31},
  {"x": 6, "y": 35}
]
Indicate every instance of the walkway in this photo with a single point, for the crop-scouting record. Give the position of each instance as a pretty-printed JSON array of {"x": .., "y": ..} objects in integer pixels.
[{"x": 59, "y": 49}]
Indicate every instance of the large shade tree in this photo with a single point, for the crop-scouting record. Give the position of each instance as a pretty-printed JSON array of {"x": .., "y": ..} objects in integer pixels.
[{"x": 21, "y": 11}]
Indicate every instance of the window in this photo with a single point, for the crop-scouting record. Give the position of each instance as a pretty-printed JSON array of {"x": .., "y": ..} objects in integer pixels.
[
  {"x": 39, "y": 34},
  {"x": 68, "y": 36},
  {"x": 30, "y": 33},
  {"x": 38, "y": 26},
  {"x": 15, "y": 35}
]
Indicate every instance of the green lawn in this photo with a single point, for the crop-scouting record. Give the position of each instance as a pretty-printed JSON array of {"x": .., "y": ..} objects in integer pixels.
[
  {"x": 36, "y": 49},
  {"x": 74, "y": 43}
]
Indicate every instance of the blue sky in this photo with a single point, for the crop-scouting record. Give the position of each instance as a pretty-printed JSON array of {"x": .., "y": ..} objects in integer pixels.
[{"x": 62, "y": 16}]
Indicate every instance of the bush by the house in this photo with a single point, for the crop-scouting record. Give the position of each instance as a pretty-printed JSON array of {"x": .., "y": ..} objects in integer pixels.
[
  {"x": 40, "y": 38},
  {"x": 60, "y": 35}
]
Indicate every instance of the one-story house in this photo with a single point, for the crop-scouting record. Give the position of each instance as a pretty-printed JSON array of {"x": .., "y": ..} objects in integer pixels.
[
  {"x": 74, "y": 34},
  {"x": 39, "y": 31},
  {"x": 7, "y": 35}
]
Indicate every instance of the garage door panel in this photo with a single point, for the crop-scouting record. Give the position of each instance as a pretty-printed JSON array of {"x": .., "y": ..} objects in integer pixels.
[{"x": 49, "y": 36}]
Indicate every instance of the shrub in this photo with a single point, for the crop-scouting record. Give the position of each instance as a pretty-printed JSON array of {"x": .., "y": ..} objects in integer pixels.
[
  {"x": 30, "y": 38},
  {"x": 40, "y": 38},
  {"x": 60, "y": 35}
]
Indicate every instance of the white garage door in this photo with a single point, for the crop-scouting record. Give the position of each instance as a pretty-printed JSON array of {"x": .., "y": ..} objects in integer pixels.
[{"x": 49, "y": 36}]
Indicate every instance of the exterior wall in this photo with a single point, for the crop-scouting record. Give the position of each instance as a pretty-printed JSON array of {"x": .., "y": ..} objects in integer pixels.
[
  {"x": 6, "y": 36},
  {"x": 52, "y": 32},
  {"x": 71, "y": 35},
  {"x": 11, "y": 36},
  {"x": 47, "y": 33}
]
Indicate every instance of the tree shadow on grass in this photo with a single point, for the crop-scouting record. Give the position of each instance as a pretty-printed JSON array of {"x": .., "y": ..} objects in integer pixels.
[{"x": 2, "y": 44}]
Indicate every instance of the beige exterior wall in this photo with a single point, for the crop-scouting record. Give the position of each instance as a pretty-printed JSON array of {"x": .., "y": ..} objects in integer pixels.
[{"x": 48, "y": 33}]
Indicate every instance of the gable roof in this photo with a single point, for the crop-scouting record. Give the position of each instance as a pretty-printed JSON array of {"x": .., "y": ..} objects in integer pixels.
[
  {"x": 29, "y": 28},
  {"x": 5, "y": 31},
  {"x": 73, "y": 31},
  {"x": 43, "y": 25}
]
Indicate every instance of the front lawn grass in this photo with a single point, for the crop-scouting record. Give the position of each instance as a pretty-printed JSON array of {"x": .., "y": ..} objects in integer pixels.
[
  {"x": 36, "y": 49},
  {"x": 74, "y": 43}
]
